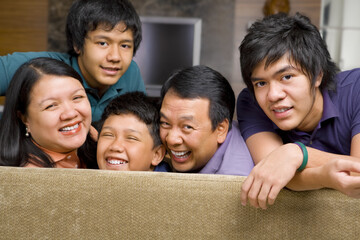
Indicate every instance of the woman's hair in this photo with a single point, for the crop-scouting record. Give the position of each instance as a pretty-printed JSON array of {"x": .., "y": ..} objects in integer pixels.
[{"x": 15, "y": 148}]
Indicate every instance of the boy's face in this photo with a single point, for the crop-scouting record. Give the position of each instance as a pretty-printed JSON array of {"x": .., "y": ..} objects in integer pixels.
[
  {"x": 285, "y": 94},
  {"x": 106, "y": 56},
  {"x": 186, "y": 132},
  {"x": 125, "y": 144}
]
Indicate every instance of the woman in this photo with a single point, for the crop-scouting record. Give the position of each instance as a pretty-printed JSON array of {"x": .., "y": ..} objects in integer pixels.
[{"x": 46, "y": 118}]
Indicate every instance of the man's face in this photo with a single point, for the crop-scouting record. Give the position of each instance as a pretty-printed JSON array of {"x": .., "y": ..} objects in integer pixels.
[
  {"x": 106, "y": 56},
  {"x": 285, "y": 94},
  {"x": 125, "y": 144},
  {"x": 186, "y": 131}
]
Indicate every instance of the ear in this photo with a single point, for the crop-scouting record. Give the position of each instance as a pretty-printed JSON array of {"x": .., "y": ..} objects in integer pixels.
[
  {"x": 318, "y": 80},
  {"x": 77, "y": 50},
  {"x": 23, "y": 119},
  {"x": 158, "y": 155},
  {"x": 222, "y": 130}
]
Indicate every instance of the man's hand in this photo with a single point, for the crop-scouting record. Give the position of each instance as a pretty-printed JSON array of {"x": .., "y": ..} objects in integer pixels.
[{"x": 270, "y": 175}]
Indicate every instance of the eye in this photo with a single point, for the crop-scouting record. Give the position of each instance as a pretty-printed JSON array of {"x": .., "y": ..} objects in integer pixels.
[
  {"x": 164, "y": 124},
  {"x": 49, "y": 106},
  {"x": 188, "y": 127},
  {"x": 260, "y": 84},
  {"x": 132, "y": 138},
  {"x": 78, "y": 97},
  {"x": 126, "y": 46},
  {"x": 287, "y": 77},
  {"x": 103, "y": 44},
  {"x": 106, "y": 134}
]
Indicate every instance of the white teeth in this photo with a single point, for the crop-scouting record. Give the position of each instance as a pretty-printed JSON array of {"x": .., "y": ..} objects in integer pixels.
[
  {"x": 281, "y": 110},
  {"x": 116, "y": 162},
  {"x": 70, "y": 128},
  {"x": 179, "y": 154}
]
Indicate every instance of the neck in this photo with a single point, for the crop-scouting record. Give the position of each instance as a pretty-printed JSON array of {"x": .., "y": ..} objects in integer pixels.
[{"x": 313, "y": 118}]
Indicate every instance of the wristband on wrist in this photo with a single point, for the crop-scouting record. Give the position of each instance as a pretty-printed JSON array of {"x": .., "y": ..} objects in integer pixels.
[{"x": 305, "y": 156}]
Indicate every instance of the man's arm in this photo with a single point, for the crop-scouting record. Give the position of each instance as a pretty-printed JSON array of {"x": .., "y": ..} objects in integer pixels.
[
  {"x": 277, "y": 165},
  {"x": 331, "y": 171}
]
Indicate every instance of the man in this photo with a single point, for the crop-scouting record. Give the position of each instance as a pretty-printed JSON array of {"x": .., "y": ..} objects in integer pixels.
[
  {"x": 196, "y": 124},
  {"x": 102, "y": 38},
  {"x": 294, "y": 97}
]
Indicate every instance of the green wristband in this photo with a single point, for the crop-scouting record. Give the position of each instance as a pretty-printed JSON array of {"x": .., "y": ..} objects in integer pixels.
[{"x": 305, "y": 156}]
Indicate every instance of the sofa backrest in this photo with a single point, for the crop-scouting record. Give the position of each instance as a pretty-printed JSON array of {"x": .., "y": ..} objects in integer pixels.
[{"x": 44, "y": 203}]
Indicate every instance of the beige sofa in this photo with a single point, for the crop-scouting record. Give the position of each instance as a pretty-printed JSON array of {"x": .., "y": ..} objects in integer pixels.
[{"x": 94, "y": 204}]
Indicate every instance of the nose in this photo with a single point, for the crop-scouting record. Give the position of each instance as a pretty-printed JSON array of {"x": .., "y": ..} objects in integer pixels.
[
  {"x": 69, "y": 112},
  {"x": 114, "y": 54},
  {"x": 173, "y": 137},
  {"x": 117, "y": 145},
  {"x": 276, "y": 92}
]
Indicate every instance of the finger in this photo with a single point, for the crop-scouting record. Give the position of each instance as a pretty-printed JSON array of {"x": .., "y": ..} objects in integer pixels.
[
  {"x": 245, "y": 189},
  {"x": 254, "y": 193},
  {"x": 274, "y": 192},
  {"x": 348, "y": 165},
  {"x": 263, "y": 195}
]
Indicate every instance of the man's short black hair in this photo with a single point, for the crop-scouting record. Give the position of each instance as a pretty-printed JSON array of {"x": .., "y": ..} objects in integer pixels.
[{"x": 204, "y": 82}]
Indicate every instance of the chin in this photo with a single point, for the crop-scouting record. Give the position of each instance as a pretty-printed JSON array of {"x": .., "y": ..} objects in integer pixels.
[{"x": 181, "y": 169}]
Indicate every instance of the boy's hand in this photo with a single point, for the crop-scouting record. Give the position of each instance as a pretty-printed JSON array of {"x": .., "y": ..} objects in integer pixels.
[
  {"x": 94, "y": 133},
  {"x": 270, "y": 175}
]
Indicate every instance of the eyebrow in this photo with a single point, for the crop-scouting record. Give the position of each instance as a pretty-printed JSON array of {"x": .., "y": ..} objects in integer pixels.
[
  {"x": 185, "y": 117},
  {"x": 98, "y": 37},
  {"x": 127, "y": 129},
  {"x": 281, "y": 70}
]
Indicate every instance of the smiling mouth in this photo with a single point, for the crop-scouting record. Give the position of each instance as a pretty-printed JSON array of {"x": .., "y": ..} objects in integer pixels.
[
  {"x": 70, "y": 128},
  {"x": 281, "y": 110},
  {"x": 116, "y": 162},
  {"x": 111, "y": 69},
  {"x": 180, "y": 155}
]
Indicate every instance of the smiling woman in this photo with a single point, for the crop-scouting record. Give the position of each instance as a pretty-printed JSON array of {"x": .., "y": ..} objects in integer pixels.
[{"x": 46, "y": 118}]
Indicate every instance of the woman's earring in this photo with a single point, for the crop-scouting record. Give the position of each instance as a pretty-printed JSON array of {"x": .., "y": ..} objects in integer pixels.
[{"x": 27, "y": 132}]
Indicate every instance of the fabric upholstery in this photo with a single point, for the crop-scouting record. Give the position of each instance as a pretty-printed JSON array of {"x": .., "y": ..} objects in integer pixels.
[{"x": 94, "y": 204}]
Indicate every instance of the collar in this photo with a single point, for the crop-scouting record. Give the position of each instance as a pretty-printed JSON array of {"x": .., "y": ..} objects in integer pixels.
[{"x": 215, "y": 162}]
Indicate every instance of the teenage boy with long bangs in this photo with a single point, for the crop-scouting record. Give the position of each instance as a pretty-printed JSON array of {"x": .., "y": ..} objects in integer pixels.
[
  {"x": 294, "y": 97},
  {"x": 102, "y": 38}
]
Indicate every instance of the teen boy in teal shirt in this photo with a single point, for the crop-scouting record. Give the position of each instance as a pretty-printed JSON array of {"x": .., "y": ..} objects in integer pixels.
[{"x": 102, "y": 38}]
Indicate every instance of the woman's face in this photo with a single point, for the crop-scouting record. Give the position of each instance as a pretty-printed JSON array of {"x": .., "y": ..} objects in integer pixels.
[{"x": 59, "y": 114}]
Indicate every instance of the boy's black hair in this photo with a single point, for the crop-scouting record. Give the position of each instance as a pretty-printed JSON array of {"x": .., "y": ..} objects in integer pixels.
[
  {"x": 204, "y": 82},
  {"x": 139, "y": 105},
  {"x": 276, "y": 36},
  {"x": 86, "y": 15}
]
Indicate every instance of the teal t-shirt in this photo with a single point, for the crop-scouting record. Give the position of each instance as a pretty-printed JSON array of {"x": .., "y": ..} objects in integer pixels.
[{"x": 131, "y": 81}]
